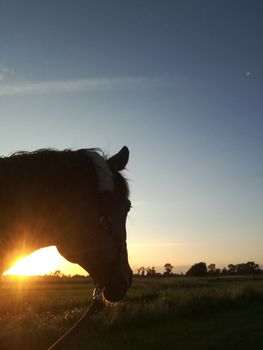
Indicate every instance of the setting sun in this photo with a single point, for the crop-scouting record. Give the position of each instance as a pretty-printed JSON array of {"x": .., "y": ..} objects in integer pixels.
[{"x": 44, "y": 261}]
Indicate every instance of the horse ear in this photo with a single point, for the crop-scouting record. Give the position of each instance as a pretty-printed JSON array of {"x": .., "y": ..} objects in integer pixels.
[{"x": 118, "y": 161}]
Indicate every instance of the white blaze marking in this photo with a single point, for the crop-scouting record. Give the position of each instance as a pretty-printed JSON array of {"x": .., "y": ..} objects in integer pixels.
[{"x": 103, "y": 171}]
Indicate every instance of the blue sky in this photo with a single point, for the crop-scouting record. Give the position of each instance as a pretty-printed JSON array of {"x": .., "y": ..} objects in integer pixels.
[{"x": 179, "y": 82}]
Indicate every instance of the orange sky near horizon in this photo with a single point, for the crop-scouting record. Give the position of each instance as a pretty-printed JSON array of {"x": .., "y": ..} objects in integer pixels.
[
  {"x": 181, "y": 255},
  {"x": 47, "y": 260},
  {"x": 44, "y": 261}
]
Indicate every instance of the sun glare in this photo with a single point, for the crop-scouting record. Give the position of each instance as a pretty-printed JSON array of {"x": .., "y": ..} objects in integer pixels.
[{"x": 41, "y": 262}]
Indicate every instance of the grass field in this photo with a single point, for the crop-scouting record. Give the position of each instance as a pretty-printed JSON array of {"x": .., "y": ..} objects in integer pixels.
[{"x": 173, "y": 313}]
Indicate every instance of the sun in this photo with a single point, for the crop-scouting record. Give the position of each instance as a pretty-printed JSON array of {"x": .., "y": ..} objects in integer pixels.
[{"x": 41, "y": 262}]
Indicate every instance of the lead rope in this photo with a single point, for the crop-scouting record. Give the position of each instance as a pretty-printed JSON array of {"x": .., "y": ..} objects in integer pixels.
[{"x": 94, "y": 306}]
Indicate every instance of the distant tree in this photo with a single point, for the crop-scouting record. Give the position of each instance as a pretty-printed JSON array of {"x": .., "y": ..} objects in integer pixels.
[
  {"x": 150, "y": 271},
  {"x": 252, "y": 268},
  {"x": 57, "y": 273},
  {"x": 242, "y": 269},
  {"x": 212, "y": 270},
  {"x": 197, "y": 270},
  {"x": 249, "y": 268},
  {"x": 153, "y": 271},
  {"x": 168, "y": 269},
  {"x": 141, "y": 271},
  {"x": 232, "y": 269},
  {"x": 224, "y": 271}
]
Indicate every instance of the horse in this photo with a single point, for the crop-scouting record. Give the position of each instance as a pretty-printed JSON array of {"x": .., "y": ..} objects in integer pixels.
[{"x": 76, "y": 200}]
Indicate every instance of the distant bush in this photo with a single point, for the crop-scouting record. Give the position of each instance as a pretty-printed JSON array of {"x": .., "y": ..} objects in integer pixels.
[{"x": 197, "y": 270}]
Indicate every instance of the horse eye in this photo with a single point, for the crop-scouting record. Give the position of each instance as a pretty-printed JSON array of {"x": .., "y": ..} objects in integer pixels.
[{"x": 105, "y": 222}]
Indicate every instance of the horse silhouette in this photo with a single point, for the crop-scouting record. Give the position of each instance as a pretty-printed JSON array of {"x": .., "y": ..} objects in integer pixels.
[{"x": 75, "y": 200}]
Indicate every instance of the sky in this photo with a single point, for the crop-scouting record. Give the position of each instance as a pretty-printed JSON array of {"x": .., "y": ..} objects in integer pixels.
[{"x": 179, "y": 82}]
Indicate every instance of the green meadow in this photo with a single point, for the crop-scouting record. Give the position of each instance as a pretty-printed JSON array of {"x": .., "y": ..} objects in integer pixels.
[{"x": 157, "y": 313}]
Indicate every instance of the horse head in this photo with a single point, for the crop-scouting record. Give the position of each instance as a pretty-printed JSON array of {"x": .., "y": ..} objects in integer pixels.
[
  {"x": 115, "y": 274},
  {"x": 76, "y": 200},
  {"x": 101, "y": 248}
]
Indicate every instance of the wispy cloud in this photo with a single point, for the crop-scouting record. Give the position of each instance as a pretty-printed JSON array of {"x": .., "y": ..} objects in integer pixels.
[
  {"x": 4, "y": 73},
  {"x": 66, "y": 86}
]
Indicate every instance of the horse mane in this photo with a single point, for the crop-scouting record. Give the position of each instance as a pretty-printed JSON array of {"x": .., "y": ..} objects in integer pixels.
[
  {"x": 49, "y": 155},
  {"x": 45, "y": 151}
]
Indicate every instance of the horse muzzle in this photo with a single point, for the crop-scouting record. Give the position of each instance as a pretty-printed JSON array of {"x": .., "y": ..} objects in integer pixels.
[{"x": 115, "y": 290}]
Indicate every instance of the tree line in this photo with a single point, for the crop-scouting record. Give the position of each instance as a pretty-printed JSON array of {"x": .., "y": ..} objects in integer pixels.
[
  {"x": 201, "y": 269},
  {"x": 151, "y": 271}
]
